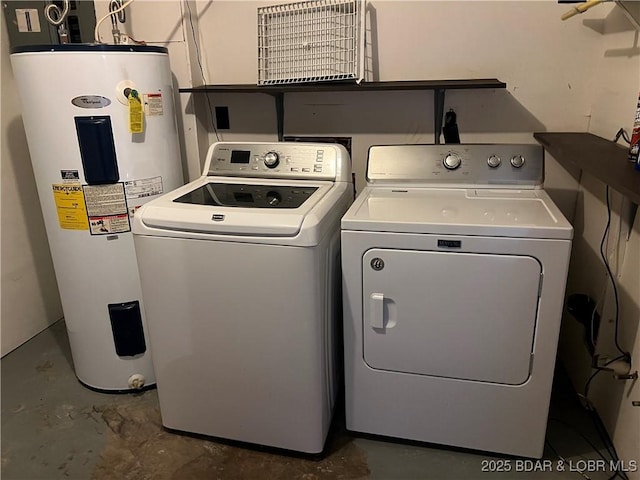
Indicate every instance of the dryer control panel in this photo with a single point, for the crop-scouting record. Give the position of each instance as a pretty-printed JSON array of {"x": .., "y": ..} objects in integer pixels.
[
  {"x": 317, "y": 161},
  {"x": 491, "y": 165}
]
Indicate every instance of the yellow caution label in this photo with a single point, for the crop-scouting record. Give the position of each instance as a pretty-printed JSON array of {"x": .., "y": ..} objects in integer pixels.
[
  {"x": 136, "y": 113},
  {"x": 70, "y": 205}
]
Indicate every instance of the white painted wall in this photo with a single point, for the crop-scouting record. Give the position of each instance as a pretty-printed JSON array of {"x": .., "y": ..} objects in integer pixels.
[
  {"x": 29, "y": 292},
  {"x": 616, "y": 83},
  {"x": 511, "y": 41}
]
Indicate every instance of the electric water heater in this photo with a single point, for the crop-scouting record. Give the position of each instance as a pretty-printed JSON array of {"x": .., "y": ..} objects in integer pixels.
[{"x": 101, "y": 130}]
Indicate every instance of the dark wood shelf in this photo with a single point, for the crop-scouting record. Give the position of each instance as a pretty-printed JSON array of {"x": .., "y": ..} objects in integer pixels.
[
  {"x": 350, "y": 86},
  {"x": 439, "y": 88},
  {"x": 597, "y": 156}
]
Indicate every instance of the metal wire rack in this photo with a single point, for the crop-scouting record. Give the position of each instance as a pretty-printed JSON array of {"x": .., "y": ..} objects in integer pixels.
[{"x": 313, "y": 41}]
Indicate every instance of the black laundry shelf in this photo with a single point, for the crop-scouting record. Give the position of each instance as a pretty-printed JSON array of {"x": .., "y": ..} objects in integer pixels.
[
  {"x": 597, "y": 156},
  {"x": 439, "y": 88}
]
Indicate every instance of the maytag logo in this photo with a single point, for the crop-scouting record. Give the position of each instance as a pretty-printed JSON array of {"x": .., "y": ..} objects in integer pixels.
[
  {"x": 91, "y": 101},
  {"x": 449, "y": 244},
  {"x": 217, "y": 217}
]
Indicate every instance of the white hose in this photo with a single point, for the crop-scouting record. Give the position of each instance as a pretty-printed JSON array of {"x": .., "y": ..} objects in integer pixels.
[
  {"x": 96, "y": 32},
  {"x": 61, "y": 15}
]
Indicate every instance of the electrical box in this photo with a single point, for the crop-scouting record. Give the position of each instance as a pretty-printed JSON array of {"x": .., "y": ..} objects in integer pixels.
[{"x": 27, "y": 24}]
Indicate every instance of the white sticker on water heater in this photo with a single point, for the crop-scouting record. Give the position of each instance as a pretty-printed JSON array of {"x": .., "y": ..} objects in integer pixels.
[
  {"x": 153, "y": 104},
  {"x": 105, "y": 199},
  {"x": 110, "y": 224},
  {"x": 144, "y": 187},
  {"x": 27, "y": 20},
  {"x": 107, "y": 209},
  {"x": 70, "y": 176}
]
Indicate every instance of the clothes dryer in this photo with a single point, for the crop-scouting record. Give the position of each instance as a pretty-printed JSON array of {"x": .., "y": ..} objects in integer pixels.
[{"x": 455, "y": 262}]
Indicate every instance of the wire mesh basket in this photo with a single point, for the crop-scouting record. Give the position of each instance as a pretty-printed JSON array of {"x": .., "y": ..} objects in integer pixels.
[{"x": 314, "y": 41}]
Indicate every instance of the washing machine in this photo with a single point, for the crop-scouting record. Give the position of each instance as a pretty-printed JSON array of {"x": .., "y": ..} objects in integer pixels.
[
  {"x": 240, "y": 273},
  {"x": 454, "y": 262}
]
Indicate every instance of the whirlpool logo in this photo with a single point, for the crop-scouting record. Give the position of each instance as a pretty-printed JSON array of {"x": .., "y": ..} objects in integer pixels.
[
  {"x": 91, "y": 101},
  {"x": 217, "y": 217}
]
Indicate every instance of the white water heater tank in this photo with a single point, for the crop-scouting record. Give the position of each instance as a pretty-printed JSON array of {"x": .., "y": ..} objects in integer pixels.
[{"x": 80, "y": 105}]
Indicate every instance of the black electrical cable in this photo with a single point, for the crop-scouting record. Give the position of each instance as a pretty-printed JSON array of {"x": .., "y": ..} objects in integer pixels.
[
  {"x": 204, "y": 80},
  {"x": 617, "y": 473},
  {"x": 602, "y": 432},
  {"x": 600, "y": 429},
  {"x": 584, "y": 437},
  {"x": 622, "y": 133},
  {"x": 598, "y": 370},
  {"x": 611, "y": 277},
  {"x": 603, "y": 436},
  {"x": 560, "y": 457}
]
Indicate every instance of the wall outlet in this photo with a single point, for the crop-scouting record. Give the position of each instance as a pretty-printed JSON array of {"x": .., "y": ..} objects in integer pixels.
[{"x": 222, "y": 118}]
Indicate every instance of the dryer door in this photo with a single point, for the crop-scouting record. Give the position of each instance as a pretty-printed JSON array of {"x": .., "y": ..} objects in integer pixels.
[{"x": 466, "y": 316}]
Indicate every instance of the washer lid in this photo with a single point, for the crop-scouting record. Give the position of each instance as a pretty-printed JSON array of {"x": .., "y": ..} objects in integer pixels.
[
  {"x": 217, "y": 205},
  {"x": 247, "y": 195},
  {"x": 503, "y": 213}
]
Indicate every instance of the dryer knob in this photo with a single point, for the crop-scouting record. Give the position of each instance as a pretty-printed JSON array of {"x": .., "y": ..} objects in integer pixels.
[
  {"x": 517, "y": 161},
  {"x": 271, "y": 160},
  {"x": 451, "y": 161},
  {"x": 494, "y": 161}
]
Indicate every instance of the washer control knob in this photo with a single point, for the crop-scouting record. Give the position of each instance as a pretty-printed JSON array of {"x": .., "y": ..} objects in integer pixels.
[
  {"x": 274, "y": 198},
  {"x": 271, "y": 160},
  {"x": 451, "y": 161},
  {"x": 494, "y": 161},
  {"x": 517, "y": 161}
]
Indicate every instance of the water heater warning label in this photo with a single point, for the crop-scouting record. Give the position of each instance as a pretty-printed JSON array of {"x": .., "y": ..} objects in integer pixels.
[
  {"x": 153, "y": 104},
  {"x": 70, "y": 205},
  {"x": 109, "y": 224},
  {"x": 106, "y": 209}
]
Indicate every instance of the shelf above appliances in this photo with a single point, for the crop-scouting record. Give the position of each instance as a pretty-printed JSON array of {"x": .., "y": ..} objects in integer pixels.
[{"x": 439, "y": 88}]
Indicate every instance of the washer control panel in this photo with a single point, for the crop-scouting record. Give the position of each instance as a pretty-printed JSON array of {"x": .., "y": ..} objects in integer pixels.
[
  {"x": 279, "y": 160},
  {"x": 471, "y": 164}
]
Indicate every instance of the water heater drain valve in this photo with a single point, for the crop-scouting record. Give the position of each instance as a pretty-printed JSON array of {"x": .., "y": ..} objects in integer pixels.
[{"x": 136, "y": 381}]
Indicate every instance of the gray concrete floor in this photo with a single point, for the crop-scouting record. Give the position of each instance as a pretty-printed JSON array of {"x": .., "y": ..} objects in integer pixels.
[{"x": 53, "y": 427}]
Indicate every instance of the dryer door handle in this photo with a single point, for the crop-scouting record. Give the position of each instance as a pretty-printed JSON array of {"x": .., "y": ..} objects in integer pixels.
[{"x": 376, "y": 310}]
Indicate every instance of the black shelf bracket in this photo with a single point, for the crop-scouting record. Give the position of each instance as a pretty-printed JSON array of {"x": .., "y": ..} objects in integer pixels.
[
  {"x": 278, "y": 92},
  {"x": 438, "y": 110},
  {"x": 279, "y": 99}
]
